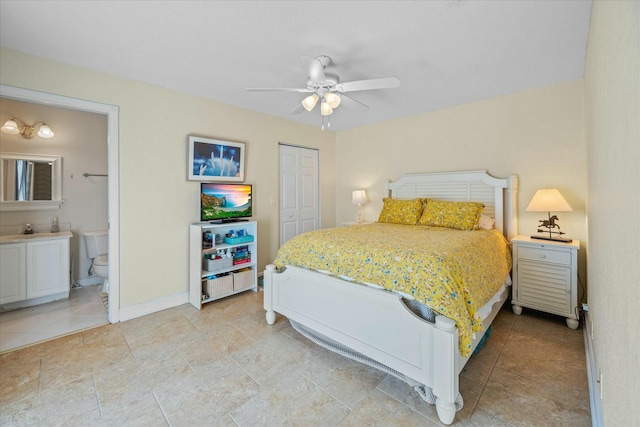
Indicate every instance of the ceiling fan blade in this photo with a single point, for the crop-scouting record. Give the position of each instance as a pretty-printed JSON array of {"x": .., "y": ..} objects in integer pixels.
[
  {"x": 299, "y": 109},
  {"x": 315, "y": 68},
  {"x": 349, "y": 102},
  {"x": 383, "y": 83},
  {"x": 278, "y": 89}
]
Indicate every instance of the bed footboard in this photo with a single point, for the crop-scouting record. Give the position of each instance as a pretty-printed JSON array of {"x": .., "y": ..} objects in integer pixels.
[{"x": 374, "y": 323}]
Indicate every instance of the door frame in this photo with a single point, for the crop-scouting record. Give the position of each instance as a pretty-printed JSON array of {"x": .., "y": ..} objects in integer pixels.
[{"x": 113, "y": 179}]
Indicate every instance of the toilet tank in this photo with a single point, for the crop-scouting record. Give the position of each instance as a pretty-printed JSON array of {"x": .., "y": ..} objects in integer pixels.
[{"x": 96, "y": 242}]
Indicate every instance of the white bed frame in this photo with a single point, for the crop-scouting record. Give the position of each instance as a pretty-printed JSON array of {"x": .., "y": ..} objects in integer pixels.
[{"x": 378, "y": 324}]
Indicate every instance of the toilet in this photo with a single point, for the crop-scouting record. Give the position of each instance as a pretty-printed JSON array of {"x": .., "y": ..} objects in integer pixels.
[{"x": 97, "y": 244}]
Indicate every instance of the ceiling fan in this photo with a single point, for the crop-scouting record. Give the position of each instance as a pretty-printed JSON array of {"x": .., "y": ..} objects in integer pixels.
[{"x": 327, "y": 88}]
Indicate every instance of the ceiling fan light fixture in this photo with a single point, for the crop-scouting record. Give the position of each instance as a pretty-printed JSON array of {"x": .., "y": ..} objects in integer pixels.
[
  {"x": 332, "y": 99},
  {"x": 310, "y": 101},
  {"x": 325, "y": 108}
]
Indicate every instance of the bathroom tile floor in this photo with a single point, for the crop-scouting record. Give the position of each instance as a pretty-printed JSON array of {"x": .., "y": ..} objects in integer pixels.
[
  {"x": 224, "y": 366},
  {"x": 84, "y": 309}
]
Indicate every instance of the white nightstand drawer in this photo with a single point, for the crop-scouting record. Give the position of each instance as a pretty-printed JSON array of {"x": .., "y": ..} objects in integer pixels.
[{"x": 545, "y": 254}]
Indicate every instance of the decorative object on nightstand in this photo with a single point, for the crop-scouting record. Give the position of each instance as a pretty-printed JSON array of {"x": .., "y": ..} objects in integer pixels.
[
  {"x": 545, "y": 277},
  {"x": 549, "y": 200},
  {"x": 359, "y": 197}
]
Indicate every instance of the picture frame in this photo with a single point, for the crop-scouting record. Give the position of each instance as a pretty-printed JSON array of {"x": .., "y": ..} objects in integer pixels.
[{"x": 215, "y": 160}]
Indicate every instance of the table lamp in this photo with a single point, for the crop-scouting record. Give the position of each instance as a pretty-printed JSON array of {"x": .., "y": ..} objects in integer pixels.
[
  {"x": 549, "y": 200},
  {"x": 359, "y": 197}
]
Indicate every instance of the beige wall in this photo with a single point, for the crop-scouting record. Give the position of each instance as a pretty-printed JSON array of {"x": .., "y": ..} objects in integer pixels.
[
  {"x": 612, "y": 104},
  {"x": 538, "y": 135},
  {"x": 81, "y": 140},
  {"x": 156, "y": 201}
]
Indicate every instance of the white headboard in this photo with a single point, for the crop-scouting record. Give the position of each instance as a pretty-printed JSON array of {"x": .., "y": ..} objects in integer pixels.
[{"x": 498, "y": 195}]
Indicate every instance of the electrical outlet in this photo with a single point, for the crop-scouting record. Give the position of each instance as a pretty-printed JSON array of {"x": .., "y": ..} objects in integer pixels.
[{"x": 600, "y": 384}]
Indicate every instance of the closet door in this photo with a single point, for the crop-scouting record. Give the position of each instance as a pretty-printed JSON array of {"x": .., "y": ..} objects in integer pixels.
[{"x": 299, "y": 191}]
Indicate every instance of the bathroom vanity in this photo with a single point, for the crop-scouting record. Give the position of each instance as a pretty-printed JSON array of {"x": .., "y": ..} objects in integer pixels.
[{"x": 34, "y": 269}]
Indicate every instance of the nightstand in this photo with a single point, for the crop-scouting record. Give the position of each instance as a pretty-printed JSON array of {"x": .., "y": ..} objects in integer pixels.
[
  {"x": 545, "y": 277},
  {"x": 344, "y": 224}
]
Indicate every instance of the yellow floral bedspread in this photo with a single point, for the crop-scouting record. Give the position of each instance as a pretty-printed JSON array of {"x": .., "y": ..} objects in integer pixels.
[{"x": 453, "y": 272}]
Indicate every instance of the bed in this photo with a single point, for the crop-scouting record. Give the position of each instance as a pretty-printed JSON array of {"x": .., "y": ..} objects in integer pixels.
[{"x": 350, "y": 314}]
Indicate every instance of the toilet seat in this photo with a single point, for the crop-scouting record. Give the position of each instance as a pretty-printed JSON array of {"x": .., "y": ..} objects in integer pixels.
[{"x": 101, "y": 260}]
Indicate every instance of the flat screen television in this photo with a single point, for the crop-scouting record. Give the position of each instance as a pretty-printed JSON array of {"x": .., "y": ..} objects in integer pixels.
[{"x": 224, "y": 202}]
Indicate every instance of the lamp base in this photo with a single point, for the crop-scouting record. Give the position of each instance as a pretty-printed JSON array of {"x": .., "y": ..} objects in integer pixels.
[{"x": 553, "y": 239}]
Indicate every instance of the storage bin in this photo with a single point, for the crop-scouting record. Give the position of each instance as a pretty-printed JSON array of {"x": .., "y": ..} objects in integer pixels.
[
  {"x": 217, "y": 264},
  {"x": 219, "y": 286},
  {"x": 238, "y": 240},
  {"x": 243, "y": 280}
]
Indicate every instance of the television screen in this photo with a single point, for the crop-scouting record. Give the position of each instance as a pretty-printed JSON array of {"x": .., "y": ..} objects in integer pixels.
[{"x": 224, "y": 202}]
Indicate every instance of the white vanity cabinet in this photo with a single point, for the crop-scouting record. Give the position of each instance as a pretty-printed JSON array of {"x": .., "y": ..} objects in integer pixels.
[
  {"x": 13, "y": 272},
  {"x": 47, "y": 268},
  {"x": 35, "y": 267}
]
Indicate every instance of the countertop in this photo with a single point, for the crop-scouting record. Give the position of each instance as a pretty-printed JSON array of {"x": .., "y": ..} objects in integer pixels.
[{"x": 18, "y": 238}]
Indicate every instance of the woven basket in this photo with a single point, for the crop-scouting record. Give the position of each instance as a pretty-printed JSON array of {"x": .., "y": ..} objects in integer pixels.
[
  {"x": 217, "y": 264},
  {"x": 243, "y": 280},
  {"x": 220, "y": 286}
]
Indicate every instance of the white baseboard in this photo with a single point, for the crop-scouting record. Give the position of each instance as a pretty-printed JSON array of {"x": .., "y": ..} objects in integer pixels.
[
  {"x": 137, "y": 310},
  {"x": 592, "y": 375}
]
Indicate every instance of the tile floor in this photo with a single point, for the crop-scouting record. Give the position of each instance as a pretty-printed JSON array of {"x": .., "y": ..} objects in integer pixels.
[
  {"x": 84, "y": 309},
  {"x": 224, "y": 366}
]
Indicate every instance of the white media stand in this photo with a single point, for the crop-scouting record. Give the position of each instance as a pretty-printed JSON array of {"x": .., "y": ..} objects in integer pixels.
[{"x": 219, "y": 278}]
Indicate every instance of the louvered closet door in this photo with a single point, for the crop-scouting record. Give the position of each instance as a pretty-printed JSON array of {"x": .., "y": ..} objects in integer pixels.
[{"x": 545, "y": 286}]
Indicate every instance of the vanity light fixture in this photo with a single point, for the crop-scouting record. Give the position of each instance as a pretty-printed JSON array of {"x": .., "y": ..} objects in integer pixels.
[
  {"x": 13, "y": 128},
  {"x": 549, "y": 200},
  {"x": 359, "y": 197}
]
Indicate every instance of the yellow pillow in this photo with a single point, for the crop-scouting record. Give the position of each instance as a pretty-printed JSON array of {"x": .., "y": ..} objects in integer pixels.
[
  {"x": 460, "y": 215},
  {"x": 405, "y": 212}
]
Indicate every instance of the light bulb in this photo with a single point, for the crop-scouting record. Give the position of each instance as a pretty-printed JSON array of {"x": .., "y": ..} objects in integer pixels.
[
  {"x": 332, "y": 99},
  {"x": 310, "y": 101},
  {"x": 10, "y": 127},
  {"x": 45, "y": 132},
  {"x": 325, "y": 109}
]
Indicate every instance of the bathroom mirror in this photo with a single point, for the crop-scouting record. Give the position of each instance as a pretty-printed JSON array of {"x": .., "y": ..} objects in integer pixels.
[{"x": 30, "y": 182}]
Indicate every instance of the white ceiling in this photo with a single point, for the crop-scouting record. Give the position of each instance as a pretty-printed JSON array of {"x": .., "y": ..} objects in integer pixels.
[{"x": 445, "y": 53}]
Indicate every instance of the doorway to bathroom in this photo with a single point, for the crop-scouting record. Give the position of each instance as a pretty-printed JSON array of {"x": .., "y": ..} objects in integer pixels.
[{"x": 109, "y": 172}]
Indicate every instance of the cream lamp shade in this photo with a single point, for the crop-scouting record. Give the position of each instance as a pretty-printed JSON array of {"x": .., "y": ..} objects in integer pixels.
[
  {"x": 548, "y": 200},
  {"x": 358, "y": 197}
]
